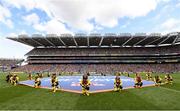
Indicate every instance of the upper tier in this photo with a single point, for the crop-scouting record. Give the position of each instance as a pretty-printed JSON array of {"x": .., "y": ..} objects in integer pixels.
[
  {"x": 98, "y": 40},
  {"x": 115, "y": 51}
]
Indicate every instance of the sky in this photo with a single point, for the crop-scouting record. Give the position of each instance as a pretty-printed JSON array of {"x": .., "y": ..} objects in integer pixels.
[{"x": 83, "y": 16}]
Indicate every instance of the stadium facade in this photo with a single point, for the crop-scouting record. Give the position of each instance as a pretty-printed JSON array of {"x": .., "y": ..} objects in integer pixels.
[{"x": 115, "y": 52}]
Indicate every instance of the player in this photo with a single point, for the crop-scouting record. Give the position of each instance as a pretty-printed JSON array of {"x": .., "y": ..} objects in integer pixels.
[
  {"x": 102, "y": 74},
  {"x": 48, "y": 74},
  {"x": 54, "y": 82},
  {"x": 128, "y": 74},
  {"x": 11, "y": 78},
  {"x": 157, "y": 80},
  {"x": 15, "y": 79},
  {"x": 118, "y": 73},
  {"x": 37, "y": 82},
  {"x": 148, "y": 76},
  {"x": 30, "y": 76},
  {"x": 8, "y": 78},
  {"x": 41, "y": 75},
  {"x": 138, "y": 81},
  {"x": 88, "y": 74},
  {"x": 85, "y": 83},
  {"x": 168, "y": 79},
  {"x": 117, "y": 84}
]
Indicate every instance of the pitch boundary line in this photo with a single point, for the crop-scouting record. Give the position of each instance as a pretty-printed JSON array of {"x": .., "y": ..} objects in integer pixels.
[{"x": 79, "y": 92}]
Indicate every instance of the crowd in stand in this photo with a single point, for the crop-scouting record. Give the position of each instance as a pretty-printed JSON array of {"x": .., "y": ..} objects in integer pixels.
[
  {"x": 100, "y": 68},
  {"x": 105, "y": 51},
  {"x": 43, "y": 55},
  {"x": 9, "y": 62},
  {"x": 32, "y": 68}
]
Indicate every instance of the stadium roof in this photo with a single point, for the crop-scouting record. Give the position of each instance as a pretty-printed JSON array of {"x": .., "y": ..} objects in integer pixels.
[{"x": 98, "y": 40}]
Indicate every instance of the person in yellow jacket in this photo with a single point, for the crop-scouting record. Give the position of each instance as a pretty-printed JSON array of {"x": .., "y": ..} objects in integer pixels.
[
  {"x": 85, "y": 84},
  {"x": 37, "y": 82},
  {"x": 168, "y": 79},
  {"x": 117, "y": 84},
  {"x": 148, "y": 76},
  {"x": 8, "y": 78},
  {"x": 54, "y": 83},
  {"x": 11, "y": 78},
  {"x": 138, "y": 81},
  {"x": 30, "y": 76},
  {"x": 15, "y": 80},
  {"x": 157, "y": 80}
]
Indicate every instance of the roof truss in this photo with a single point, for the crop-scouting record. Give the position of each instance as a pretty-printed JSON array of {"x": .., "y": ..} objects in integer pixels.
[{"x": 109, "y": 40}]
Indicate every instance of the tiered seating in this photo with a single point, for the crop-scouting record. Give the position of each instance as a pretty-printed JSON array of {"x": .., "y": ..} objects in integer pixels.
[
  {"x": 100, "y": 68},
  {"x": 103, "y": 51},
  {"x": 106, "y": 60},
  {"x": 9, "y": 62}
]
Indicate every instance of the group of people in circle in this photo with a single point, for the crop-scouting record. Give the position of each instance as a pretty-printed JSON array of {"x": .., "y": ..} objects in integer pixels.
[{"x": 85, "y": 82}]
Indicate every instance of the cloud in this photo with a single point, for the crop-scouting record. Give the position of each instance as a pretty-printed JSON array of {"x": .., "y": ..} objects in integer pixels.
[
  {"x": 27, "y": 4},
  {"x": 105, "y": 12},
  {"x": 164, "y": 1},
  {"x": 170, "y": 25},
  {"x": 9, "y": 23},
  {"x": 51, "y": 27},
  {"x": 78, "y": 13},
  {"x": 98, "y": 27},
  {"x": 5, "y": 14},
  {"x": 31, "y": 19},
  {"x": 178, "y": 5},
  {"x": 12, "y": 35},
  {"x": 22, "y": 32},
  {"x": 15, "y": 34}
]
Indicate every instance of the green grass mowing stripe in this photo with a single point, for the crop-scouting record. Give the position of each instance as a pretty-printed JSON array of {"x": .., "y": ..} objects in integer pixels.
[
  {"x": 113, "y": 100},
  {"x": 110, "y": 100},
  {"x": 29, "y": 98},
  {"x": 5, "y": 86},
  {"x": 177, "y": 91},
  {"x": 13, "y": 92},
  {"x": 43, "y": 99},
  {"x": 164, "y": 99}
]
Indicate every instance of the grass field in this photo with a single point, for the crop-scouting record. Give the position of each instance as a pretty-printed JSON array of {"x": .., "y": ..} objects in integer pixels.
[{"x": 149, "y": 98}]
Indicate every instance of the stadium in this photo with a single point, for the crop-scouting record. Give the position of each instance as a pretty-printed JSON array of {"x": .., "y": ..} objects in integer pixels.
[
  {"x": 106, "y": 54},
  {"x": 89, "y": 55},
  {"x": 102, "y": 57}
]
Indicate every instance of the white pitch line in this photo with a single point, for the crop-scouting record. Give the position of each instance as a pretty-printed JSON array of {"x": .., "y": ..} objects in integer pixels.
[{"x": 170, "y": 89}]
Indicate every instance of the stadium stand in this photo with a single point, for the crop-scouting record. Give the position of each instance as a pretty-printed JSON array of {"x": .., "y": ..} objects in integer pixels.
[
  {"x": 109, "y": 53},
  {"x": 100, "y": 68},
  {"x": 8, "y": 64}
]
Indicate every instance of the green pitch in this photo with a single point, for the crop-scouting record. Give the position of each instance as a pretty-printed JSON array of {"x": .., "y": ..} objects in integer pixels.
[{"x": 23, "y": 97}]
